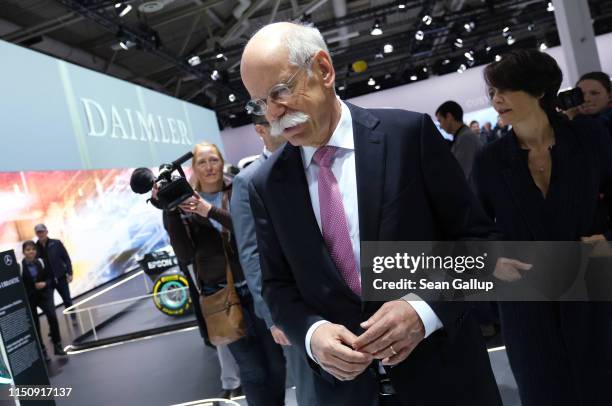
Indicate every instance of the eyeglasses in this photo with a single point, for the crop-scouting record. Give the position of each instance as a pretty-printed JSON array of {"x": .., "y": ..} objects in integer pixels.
[{"x": 278, "y": 93}]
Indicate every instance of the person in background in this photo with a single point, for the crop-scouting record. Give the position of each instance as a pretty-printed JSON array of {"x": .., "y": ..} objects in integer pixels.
[
  {"x": 202, "y": 230},
  {"x": 500, "y": 130},
  {"x": 542, "y": 182},
  {"x": 486, "y": 133},
  {"x": 246, "y": 239},
  {"x": 38, "y": 284},
  {"x": 466, "y": 143},
  {"x": 475, "y": 127},
  {"x": 57, "y": 262},
  {"x": 597, "y": 94}
]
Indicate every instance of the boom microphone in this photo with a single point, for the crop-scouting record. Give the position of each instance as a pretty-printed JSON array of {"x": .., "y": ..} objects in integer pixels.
[{"x": 142, "y": 180}]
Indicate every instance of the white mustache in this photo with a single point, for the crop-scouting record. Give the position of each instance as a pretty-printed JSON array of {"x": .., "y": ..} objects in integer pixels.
[{"x": 287, "y": 121}]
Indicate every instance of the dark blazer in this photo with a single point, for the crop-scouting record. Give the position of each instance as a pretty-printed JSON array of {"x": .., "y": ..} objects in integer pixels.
[
  {"x": 409, "y": 187},
  {"x": 203, "y": 244},
  {"x": 566, "y": 338},
  {"x": 36, "y": 295},
  {"x": 582, "y": 165},
  {"x": 56, "y": 257}
]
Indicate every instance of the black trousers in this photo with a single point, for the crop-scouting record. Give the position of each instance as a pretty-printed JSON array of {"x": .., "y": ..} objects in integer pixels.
[
  {"x": 259, "y": 358},
  {"x": 560, "y": 353},
  {"x": 62, "y": 287},
  {"x": 46, "y": 305}
]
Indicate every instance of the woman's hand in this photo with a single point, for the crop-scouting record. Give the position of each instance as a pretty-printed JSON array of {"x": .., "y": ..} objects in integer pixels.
[
  {"x": 508, "y": 270},
  {"x": 196, "y": 204}
]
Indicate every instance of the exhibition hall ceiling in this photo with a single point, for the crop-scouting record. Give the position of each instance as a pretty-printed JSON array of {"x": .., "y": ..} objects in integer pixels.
[{"x": 191, "y": 49}]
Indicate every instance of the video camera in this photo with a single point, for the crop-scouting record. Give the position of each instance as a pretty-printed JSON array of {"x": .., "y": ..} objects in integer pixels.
[{"x": 172, "y": 190}]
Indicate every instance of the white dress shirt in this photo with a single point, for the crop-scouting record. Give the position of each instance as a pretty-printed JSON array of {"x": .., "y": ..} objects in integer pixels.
[{"x": 343, "y": 168}]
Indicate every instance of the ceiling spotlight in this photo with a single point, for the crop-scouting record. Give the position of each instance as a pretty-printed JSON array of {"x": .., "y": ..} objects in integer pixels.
[
  {"x": 388, "y": 76},
  {"x": 459, "y": 43},
  {"x": 377, "y": 87},
  {"x": 488, "y": 48},
  {"x": 531, "y": 27},
  {"x": 413, "y": 78},
  {"x": 341, "y": 88},
  {"x": 127, "y": 44},
  {"x": 215, "y": 75},
  {"x": 122, "y": 9},
  {"x": 506, "y": 31},
  {"x": 220, "y": 55},
  {"x": 543, "y": 46},
  {"x": 446, "y": 62},
  {"x": 378, "y": 56},
  {"x": 510, "y": 40},
  {"x": 469, "y": 26},
  {"x": 427, "y": 19},
  {"x": 388, "y": 48},
  {"x": 371, "y": 81},
  {"x": 194, "y": 60},
  {"x": 550, "y": 8},
  {"x": 376, "y": 29},
  {"x": 469, "y": 56},
  {"x": 401, "y": 6},
  {"x": 425, "y": 69},
  {"x": 232, "y": 97},
  {"x": 462, "y": 68},
  {"x": 497, "y": 58},
  {"x": 419, "y": 35},
  {"x": 232, "y": 115}
]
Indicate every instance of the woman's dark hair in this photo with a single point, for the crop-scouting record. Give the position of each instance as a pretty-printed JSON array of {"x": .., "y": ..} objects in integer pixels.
[
  {"x": 27, "y": 244},
  {"x": 601, "y": 77},
  {"x": 530, "y": 71}
]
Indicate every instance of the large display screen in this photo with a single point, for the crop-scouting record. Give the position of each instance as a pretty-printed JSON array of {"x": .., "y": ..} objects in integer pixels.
[{"x": 105, "y": 227}]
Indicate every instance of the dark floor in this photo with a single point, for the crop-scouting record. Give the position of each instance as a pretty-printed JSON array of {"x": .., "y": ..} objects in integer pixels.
[
  {"x": 171, "y": 369},
  {"x": 164, "y": 370}
]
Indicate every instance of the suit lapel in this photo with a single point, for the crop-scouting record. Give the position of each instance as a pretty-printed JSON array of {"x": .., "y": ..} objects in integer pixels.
[{"x": 370, "y": 170}]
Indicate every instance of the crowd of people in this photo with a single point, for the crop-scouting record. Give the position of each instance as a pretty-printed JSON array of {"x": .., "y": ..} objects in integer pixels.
[{"x": 287, "y": 233}]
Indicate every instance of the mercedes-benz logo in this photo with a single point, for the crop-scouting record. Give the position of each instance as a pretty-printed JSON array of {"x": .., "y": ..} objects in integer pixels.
[{"x": 8, "y": 260}]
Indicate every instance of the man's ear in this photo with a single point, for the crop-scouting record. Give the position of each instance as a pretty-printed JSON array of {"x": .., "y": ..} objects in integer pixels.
[{"x": 324, "y": 66}]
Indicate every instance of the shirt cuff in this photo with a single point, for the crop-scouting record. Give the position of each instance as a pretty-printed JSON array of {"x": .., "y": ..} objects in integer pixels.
[
  {"x": 430, "y": 320},
  {"x": 309, "y": 334}
]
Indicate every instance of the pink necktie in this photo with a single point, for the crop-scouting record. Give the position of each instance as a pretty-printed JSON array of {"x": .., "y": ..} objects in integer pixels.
[{"x": 333, "y": 220}]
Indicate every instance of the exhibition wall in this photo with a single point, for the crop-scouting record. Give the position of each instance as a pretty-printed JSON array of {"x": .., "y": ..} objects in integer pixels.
[{"x": 70, "y": 137}]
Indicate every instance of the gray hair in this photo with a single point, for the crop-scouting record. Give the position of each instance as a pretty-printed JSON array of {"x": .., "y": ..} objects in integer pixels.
[{"x": 302, "y": 42}]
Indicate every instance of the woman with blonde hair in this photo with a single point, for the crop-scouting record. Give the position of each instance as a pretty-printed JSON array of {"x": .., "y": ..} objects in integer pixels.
[{"x": 201, "y": 230}]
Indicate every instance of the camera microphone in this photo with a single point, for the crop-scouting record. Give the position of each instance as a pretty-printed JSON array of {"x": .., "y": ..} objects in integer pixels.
[{"x": 142, "y": 180}]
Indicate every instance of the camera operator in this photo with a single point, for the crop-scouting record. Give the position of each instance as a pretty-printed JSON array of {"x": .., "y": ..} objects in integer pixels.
[
  {"x": 196, "y": 232},
  {"x": 597, "y": 94}
]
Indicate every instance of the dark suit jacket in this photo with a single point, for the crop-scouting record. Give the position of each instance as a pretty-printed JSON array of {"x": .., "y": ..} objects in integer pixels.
[
  {"x": 36, "y": 295},
  {"x": 56, "y": 258},
  {"x": 582, "y": 164},
  {"x": 566, "y": 337},
  {"x": 409, "y": 187}
]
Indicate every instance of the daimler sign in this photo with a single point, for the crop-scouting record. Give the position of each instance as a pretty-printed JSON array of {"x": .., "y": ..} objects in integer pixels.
[{"x": 116, "y": 122}]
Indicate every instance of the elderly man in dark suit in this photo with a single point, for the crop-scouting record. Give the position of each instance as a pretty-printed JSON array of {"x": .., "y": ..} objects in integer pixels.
[{"x": 348, "y": 175}]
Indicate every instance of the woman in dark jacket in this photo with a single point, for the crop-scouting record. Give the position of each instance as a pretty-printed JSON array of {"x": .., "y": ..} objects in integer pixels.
[
  {"x": 38, "y": 285},
  {"x": 597, "y": 93},
  {"x": 542, "y": 182},
  {"x": 202, "y": 231}
]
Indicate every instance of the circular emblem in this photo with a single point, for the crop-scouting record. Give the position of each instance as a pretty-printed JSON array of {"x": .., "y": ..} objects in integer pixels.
[{"x": 8, "y": 260}]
